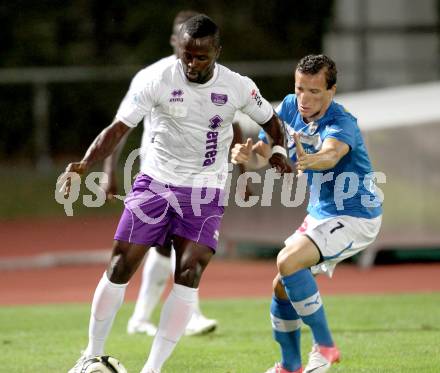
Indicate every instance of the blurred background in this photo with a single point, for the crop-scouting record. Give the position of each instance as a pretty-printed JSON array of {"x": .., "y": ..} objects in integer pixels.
[{"x": 66, "y": 65}]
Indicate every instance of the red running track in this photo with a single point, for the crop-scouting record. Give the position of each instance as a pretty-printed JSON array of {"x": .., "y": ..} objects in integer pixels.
[{"x": 222, "y": 279}]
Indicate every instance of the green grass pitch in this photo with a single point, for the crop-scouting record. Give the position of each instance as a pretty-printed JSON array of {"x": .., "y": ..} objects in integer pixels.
[{"x": 387, "y": 333}]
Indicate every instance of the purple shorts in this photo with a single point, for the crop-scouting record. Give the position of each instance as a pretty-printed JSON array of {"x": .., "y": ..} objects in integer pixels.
[{"x": 155, "y": 211}]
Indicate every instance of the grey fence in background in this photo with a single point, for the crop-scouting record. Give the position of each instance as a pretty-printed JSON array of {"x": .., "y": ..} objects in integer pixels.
[{"x": 41, "y": 78}]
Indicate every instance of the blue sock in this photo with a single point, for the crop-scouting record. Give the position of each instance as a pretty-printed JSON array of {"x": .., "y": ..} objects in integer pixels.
[
  {"x": 303, "y": 292},
  {"x": 286, "y": 326}
]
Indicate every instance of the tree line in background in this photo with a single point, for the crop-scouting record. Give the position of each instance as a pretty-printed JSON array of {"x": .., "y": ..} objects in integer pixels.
[{"x": 115, "y": 32}]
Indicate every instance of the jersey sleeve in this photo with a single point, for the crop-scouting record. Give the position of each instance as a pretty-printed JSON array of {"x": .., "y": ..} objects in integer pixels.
[
  {"x": 253, "y": 104},
  {"x": 136, "y": 104},
  {"x": 342, "y": 129},
  {"x": 136, "y": 85}
]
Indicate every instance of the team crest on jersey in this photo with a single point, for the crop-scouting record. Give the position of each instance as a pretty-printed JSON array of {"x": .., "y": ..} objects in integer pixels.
[
  {"x": 219, "y": 99},
  {"x": 256, "y": 96},
  {"x": 135, "y": 98},
  {"x": 216, "y": 122},
  {"x": 312, "y": 127},
  {"x": 176, "y": 95},
  {"x": 311, "y": 143}
]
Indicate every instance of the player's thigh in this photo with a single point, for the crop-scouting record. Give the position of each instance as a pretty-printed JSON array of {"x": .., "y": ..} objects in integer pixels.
[
  {"x": 125, "y": 260},
  {"x": 191, "y": 260},
  {"x": 300, "y": 252},
  {"x": 165, "y": 249}
]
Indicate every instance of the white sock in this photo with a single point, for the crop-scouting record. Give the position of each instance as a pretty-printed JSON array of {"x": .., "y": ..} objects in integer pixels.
[
  {"x": 157, "y": 269},
  {"x": 107, "y": 300},
  {"x": 197, "y": 311},
  {"x": 175, "y": 315},
  {"x": 173, "y": 262}
]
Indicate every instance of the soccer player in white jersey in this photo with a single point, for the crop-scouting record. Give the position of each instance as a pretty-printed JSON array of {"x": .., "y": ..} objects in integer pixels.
[
  {"x": 179, "y": 193},
  {"x": 159, "y": 263},
  {"x": 344, "y": 212}
]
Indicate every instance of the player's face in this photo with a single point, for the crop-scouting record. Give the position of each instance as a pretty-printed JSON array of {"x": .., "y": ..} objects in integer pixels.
[
  {"x": 198, "y": 57},
  {"x": 312, "y": 94}
]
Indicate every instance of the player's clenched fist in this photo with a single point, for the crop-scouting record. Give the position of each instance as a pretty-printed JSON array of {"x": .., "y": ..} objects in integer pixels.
[
  {"x": 241, "y": 153},
  {"x": 75, "y": 167},
  {"x": 280, "y": 163}
]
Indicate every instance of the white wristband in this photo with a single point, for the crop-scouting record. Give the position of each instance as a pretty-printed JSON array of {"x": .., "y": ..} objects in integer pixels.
[{"x": 280, "y": 150}]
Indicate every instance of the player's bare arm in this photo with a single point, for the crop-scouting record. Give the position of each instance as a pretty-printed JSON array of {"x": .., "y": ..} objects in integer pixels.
[
  {"x": 274, "y": 129},
  {"x": 238, "y": 139},
  {"x": 278, "y": 158},
  {"x": 258, "y": 155},
  {"x": 110, "y": 165},
  {"x": 104, "y": 144},
  {"x": 328, "y": 157}
]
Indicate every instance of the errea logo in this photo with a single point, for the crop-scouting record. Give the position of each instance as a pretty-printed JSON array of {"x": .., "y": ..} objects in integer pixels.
[
  {"x": 176, "y": 95},
  {"x": 215, "y": 122},
  {"x": 176, "y": 92}
]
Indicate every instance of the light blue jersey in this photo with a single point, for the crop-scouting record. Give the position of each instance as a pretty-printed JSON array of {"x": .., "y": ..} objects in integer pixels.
[{"x": 346, "y": 189}]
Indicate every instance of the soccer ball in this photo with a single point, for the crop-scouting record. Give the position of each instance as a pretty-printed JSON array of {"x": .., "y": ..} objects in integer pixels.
[{"x": 102, "y": 364}]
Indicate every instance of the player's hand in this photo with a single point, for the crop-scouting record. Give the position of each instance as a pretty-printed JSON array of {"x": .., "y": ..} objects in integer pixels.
[
  {"x": 77, "y": 167},
  {"x": 280, "y": 163},
  {"x": 301, "y": 155},
  {"x": 298, "y": 145},
  {"x": 241, "y": 153},
  {"x": 262, "y": 149}
]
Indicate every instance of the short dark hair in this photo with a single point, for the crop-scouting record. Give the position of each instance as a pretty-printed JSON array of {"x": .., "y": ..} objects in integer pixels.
[
  {"x": 201, "y": 26},
  {"x": 314, "y": 63}
]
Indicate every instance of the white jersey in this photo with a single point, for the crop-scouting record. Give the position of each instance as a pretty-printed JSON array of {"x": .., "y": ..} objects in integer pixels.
[
  {"x": 191, "y": 123},
  {"x": 137, "y": 83}
]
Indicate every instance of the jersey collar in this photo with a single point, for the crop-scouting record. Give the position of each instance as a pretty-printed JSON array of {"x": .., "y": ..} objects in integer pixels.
[{"x": 312, "y": 127}]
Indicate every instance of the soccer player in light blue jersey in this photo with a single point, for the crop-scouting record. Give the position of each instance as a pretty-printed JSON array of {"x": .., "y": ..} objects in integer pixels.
[{"x": 344, "y": 211}]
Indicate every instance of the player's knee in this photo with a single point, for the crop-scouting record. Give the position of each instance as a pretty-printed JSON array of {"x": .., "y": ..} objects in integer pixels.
[
  {"x": 124, "y": 262},
  {"x": 287, "y": 262},
  {"x": 282, "y": 259},
  {"x": 119, "y": 271},
  {"x": 189, "y": 274}
]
